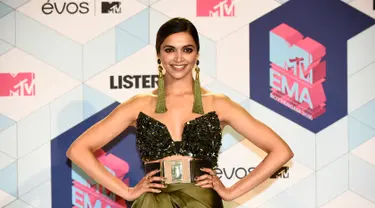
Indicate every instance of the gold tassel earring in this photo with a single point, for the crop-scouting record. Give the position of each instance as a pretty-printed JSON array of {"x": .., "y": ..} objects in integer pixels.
[
  {"x": 161, "y": 103},
  {"x": 198, "y": 106}
]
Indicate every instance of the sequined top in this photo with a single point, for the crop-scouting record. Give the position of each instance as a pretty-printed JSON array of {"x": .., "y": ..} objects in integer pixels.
[{"x": 201, "y": 138}]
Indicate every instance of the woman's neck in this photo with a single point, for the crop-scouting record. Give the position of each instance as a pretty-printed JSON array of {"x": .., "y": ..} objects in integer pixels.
[{"x": 179, "y": 86}]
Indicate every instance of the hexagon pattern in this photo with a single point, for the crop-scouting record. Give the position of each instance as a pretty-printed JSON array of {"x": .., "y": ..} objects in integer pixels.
[{"x": 79, "y": 60}]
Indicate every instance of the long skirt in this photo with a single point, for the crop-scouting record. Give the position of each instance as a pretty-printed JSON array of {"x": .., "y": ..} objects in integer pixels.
[{"x": 180, "y": 196}]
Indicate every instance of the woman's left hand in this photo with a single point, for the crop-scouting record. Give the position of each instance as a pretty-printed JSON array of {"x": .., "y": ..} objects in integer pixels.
[{"x": 210, "y": 180}]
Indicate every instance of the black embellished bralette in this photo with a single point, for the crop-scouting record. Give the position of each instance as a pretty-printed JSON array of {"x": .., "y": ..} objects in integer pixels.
[{"x": 201, "y": 138}]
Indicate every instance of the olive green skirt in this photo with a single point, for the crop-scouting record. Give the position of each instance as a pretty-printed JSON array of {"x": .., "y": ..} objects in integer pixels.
[{"x": 180, "y": 196}]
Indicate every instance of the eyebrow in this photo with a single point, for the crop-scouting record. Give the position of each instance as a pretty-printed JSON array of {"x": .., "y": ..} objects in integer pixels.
[{"x": 169, "y": 46}]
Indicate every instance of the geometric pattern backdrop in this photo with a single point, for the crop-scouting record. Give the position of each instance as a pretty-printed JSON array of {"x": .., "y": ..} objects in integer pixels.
[{"x": 64, "y": 65}]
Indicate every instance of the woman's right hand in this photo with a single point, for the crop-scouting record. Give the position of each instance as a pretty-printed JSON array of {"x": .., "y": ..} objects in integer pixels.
[{"x": 146, "y": 185}]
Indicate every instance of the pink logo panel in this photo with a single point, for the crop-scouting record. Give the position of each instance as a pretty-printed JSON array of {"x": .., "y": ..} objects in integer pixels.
[
  {"x": 20, "y": 84},
  {"x": 215, "y": 8},
  {"x": 86, "y": 192},
  {"x": 297, "y": 71}
]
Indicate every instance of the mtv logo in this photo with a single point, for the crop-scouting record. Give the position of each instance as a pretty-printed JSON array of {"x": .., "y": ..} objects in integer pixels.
[
  {"x": 215, "y": 8},
  {"x": 19, "y": 84},
  {"x": 111, "y": 7},
  {"x": 281, "y": 173},
  {"x": 297, "y": 71}
]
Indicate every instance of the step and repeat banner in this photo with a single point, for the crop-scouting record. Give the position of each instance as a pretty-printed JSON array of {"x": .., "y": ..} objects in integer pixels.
[{"x": 305, "y": 68}]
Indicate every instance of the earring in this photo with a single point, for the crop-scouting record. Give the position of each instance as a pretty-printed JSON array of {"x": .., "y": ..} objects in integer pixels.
[
  {"x": 198, "y": 106},
  {"x": 161, "y": 103}
]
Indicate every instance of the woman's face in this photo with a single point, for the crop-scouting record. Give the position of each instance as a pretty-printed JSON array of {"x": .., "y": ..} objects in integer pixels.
[{"x": 178, "y": 54}]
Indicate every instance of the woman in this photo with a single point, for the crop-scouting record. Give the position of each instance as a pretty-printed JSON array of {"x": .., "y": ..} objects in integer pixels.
[{"x": 179, "y": 133}]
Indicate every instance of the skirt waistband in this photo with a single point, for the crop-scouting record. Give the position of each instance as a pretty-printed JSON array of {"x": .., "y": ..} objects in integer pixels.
[{"x": 179, "y": 170}]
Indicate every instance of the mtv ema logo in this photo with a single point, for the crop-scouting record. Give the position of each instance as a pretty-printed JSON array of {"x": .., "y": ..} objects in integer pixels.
[
  {"x": 87, "y": 193},
  {"x": 215, "y": 8},
  {"x": 297, "y": 71},
  {"x": 17, "y": 84},
  {"x": 111, "y": 7}
]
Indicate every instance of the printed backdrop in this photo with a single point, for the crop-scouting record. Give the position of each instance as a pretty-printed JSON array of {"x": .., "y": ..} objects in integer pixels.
[{"x": 303, "y": 67}]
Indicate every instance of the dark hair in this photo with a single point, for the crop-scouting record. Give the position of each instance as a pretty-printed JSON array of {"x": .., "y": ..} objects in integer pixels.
[{"x": 176, "y": 25}]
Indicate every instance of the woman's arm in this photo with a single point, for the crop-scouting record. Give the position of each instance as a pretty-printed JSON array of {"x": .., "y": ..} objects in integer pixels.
[
  {"x": 81, "y": 150},
  {"x": 260, "y": 135}
]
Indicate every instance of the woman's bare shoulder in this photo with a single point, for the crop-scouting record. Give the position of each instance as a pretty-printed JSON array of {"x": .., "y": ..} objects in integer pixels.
[
  {"x": 221, "y": 102},
  {"x": 214, "y": 97},
  {"x": 137, "y": 103},
  {"x": 216, "y": 100},
  {"x": 138, "y": 100}
]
